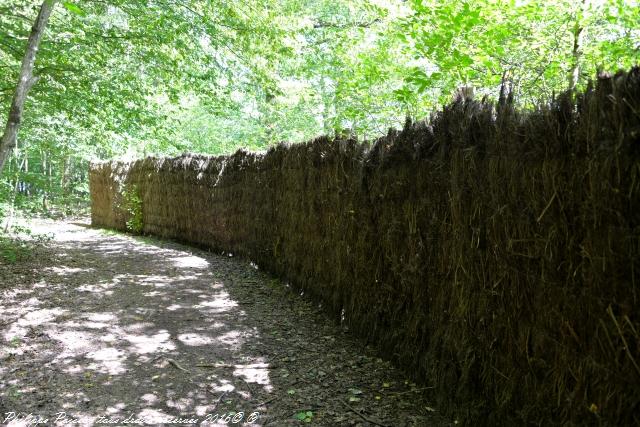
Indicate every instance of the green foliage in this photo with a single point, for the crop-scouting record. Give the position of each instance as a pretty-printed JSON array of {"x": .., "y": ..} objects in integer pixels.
[
  {"x": 304, "y": 416},
  {"x": 17, "y": 244},
  {"x": 16, "y": 249},
  {"x": 132, "y": 206},
  {"x": 73, "y": 8},
  {"x": 10, "y": 250},
  {"x": 536, "y": 45},
  {"x": 133, "y": 78}
]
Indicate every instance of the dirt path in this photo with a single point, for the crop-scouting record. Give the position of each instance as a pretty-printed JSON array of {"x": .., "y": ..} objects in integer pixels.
[{"x": 107, "y": 329}]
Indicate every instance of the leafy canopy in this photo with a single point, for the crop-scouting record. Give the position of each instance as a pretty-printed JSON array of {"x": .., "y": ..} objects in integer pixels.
[{"x": 139, "y": 77}]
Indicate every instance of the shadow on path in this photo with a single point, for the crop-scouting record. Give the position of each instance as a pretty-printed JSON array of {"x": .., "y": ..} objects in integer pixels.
[{"x": 116, "y": 328}]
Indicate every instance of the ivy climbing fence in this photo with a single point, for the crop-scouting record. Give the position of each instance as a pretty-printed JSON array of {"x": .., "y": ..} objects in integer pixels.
[{"x": 493, "y": 253}]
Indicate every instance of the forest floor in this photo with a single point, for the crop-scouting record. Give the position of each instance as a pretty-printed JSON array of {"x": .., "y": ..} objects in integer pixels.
[{"x": 100, "y": 328}]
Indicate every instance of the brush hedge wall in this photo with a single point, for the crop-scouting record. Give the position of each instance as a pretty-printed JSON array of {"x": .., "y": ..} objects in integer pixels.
[{"x": 492, "y": 252}]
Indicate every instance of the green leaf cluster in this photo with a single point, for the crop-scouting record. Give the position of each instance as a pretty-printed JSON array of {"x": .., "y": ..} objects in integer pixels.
[{"x": 129, "y": 78}]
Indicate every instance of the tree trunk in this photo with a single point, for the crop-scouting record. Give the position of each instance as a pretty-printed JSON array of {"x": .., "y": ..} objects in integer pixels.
[
  {"x": 26, "y": 80},
  {"x": 576, "y": 52},
  {"x": 326, "y": 106},
  {"x": 12, "y": 210},
  {"x": 45, "y": 191},
  {"x": 26, "y": 171},
  {"x": 64, "y": 179}
]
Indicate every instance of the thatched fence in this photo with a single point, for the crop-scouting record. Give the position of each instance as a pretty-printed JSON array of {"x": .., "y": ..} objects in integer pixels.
[{"x": 494, "y": 253}]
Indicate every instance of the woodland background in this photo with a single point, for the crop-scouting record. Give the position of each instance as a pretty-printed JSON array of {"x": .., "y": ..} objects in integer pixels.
[{"x": 126, "y": 79}]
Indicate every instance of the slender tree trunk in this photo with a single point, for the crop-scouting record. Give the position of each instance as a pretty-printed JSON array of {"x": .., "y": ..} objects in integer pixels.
[
  {"x": 26, "y": 81},
  {"x": 45, "y": 192},
  {"x": 576, "y": 52},
  {"x": 50, "y": 190},
  {"x": 326, "y": 129},
  {"x": 575, "y": 68},
  {"x": 26, "y": 171},
  {"x": 64, "y": 179},
  {"x": 12, "y": 210}
]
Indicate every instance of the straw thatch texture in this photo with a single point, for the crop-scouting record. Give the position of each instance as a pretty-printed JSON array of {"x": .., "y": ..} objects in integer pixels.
[{"x": 494, "y": 253}]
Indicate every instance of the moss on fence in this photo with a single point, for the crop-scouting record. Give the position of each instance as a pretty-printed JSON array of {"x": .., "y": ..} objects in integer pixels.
[{"x": 493, "y": 252}]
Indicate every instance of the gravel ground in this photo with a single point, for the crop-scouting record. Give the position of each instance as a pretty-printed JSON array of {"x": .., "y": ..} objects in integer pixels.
[{"x": 98, "y": 328}]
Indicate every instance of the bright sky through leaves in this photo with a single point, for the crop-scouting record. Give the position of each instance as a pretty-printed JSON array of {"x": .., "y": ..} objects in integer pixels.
[{"x": 133, "y": 78}]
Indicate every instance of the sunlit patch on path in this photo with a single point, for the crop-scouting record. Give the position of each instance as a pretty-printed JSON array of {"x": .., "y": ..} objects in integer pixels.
[{"x": 117, "y": 328}]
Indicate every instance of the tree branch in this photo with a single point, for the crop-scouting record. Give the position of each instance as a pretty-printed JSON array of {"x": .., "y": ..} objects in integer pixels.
[{"x": 323, "y": 24}]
